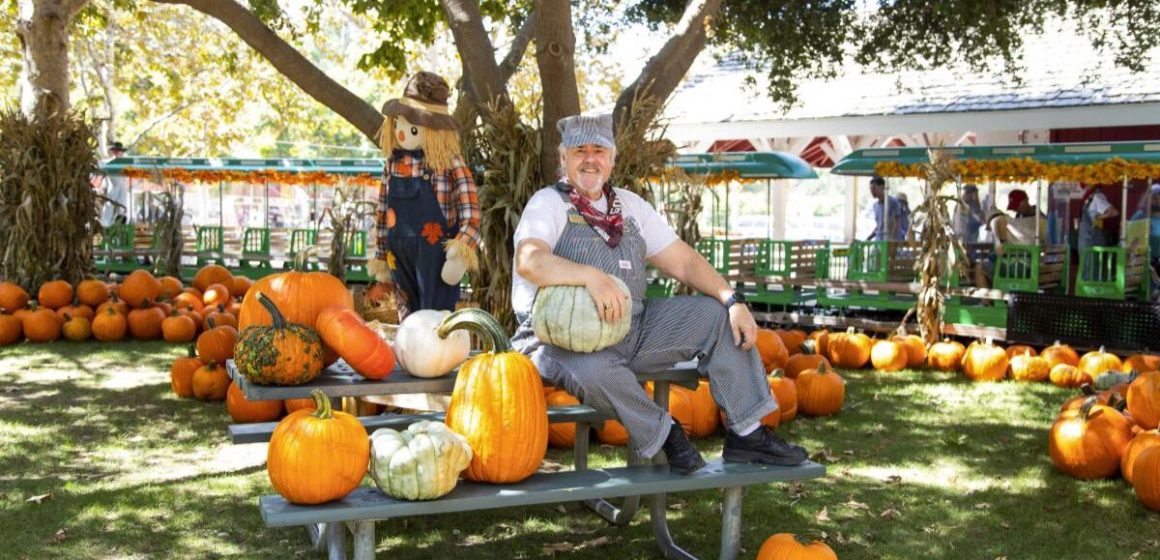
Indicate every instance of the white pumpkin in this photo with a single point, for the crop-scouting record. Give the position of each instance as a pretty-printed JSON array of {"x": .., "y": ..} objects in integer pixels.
[
  {"x": 422, "y": 462},
  {"x": 422, "y": 353},
  {"x": 566, "y": 316}
]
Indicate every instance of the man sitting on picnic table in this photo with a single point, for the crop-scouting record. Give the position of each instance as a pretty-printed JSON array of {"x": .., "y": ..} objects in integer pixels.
[{"x": 583, "y": 232}]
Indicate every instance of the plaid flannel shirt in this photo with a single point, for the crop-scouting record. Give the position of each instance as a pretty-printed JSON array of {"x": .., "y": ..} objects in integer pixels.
[{"x": 454, "y": 189}]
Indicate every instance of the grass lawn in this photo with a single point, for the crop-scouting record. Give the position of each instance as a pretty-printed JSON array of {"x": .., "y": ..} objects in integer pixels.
[{"x": 99, "y": 460}]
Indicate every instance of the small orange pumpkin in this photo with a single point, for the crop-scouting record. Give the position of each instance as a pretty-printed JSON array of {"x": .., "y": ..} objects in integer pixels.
[
  {"x": 1029, "y": 367},
  {"x": 1019, "y": 350},
  {"x": 216, "y": 294},
  {"x": 217, "y": 343},
  {"x": 181, "y": 374},
  {"x": 76, "y": 329},
  {"x": 820, "y": 392},
  {"x": 140, "y": 286},
  {"x": 946, "y": 355},
  {"x": 1139, "y": 443},
  {"x": 785, "y": 546},
  {"x": 1088, "y": 442},
  {"x": 1099, "y": 362},
  {"x": 888, "y": 355},
  {"x": 849, "y": 349},
  {"x": 915, "y": 349},
  {"x": 985, "y": 362},
  {"x": 170, "y": 287},
  {"x": 12, "y": 297},
  {"x": 1060, "y": 354},
  {"x": 320, "y": 455},
  {"x": 1144, "y": 400},
  {"x": 801, "y": 362},
  {"x": 1065, "y": 375},
  {"x": 55, "y": 294},
  {"x": 772, "y": 350},
  {"x": 41, "y": 325},
  {"x": 145, "y": 322},
  {"x": 1147, "y": 477},
  {"x": 561, "y": 435},
  {"x": 244, "y": 411},
  {"x": 92, "y": 292},
  {"x": 212, "y": 274},
  {"x": 178, "y": 328},
  {"x": 11, "y": 329},
  {"x": 210, "y": 382},
  {"x": 109, "y": 326}
]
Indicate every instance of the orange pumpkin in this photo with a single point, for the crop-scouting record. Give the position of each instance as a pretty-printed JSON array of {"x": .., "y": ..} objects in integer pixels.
[
  {"x": 181, "y": 374},
  {"x": 561, "y": 435},
  {"x": 1099, "y": 362},
  {"x": 771, "y": 349},
  {"x": 801, "y": 362},
  {"x": 318, "y": 456},
  {"x": 11, "y": 329},
  {"x": 217, "y": 344},
  {"x": 1147, "y": 477},
  {"x": 1141, "y": 363},
  {"x": 1139, "y": 443},
  {"x": 704, "y": 414},
  {"x": 1019, "y": 350},
  {"x": 79, "y": 310},
  {"x": 12, "y": 297},
  {"x": 888, "y": 355},
  {"x": 244, "y": 411},
  {"x": 171, "y": 287},
  {"x": 785, "y": 546},
  {"x": 145, "y": 322},
  {"x": 55, "y": 294},
  {"x": 294, "y": 405},
  {"x": 820, "y": 392},
  {"x": 109, "y": 326},
  {"x": 218, "y": 316},
  {"x": 1064, "y": 375},
  {"x": 946, "y": 355},
  {"x": 348, "y": 335},
  {"x": 215, "y": 294},
  {"x": 613, "y": 433},
  {"x": 1029, "y": 367},
  {"x": 210, "y": 382},
  {"x": 1060, "y": 354},
  {"x": 821, "y": 342},
  {"x": 41, "y": 325},
  {"x": 212, "y": 274},
  {"x": 92, "y": 292},
  {"x": 178, "y": 328},
  {"x": 1088, "y": 442},
  {"x": 785, "y": 393},
  {"x": 186, "y": 300},
  {"x": 300, "y": 296},
  {"x": 114, "y": 303},
  {"x": 76, "y": 329},
  {"x": 497, "y": 404},
  {"x": 985, "y": 362},
  {"x": 240, "y": 286},
  {"x": 915, "y": 349},
  {"x": 280, "y": 354},
  {"x": 1144, "y": 400},
  {"x": 140, "y": 286},
  {"x": 792, "y": 339},
  {"x": 849, "y": 349}
]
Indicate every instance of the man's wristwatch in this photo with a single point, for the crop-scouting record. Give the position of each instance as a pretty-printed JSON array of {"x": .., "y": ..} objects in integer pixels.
[{"x": 737, "y": 297}]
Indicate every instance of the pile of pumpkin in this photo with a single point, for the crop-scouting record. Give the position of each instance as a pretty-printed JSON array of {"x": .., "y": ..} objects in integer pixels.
[
  {"x": 142, "y": 306},
  {"x": 1102, "y": 434}
]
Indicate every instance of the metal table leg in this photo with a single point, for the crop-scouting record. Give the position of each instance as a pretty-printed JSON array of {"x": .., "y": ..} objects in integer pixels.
[
  {"x": 336, "y": 541},
  {"x": 364, "y": 539},
  {"x": 660, "y": 526},
  {"x": 731, "y": 523},
  {"x": 615, "y": 515}
]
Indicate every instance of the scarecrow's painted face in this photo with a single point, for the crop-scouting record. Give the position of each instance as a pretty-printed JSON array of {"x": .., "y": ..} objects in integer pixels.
[{"x": 408, "y": 136}]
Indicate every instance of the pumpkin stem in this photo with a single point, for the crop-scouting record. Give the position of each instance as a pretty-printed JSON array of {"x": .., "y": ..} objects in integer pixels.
[
  {"x": 321, "y": 405},
  {"x": 1086, "y": 408},
  {"x": 777, "y": 372},
  {"x": 192, "y": 350},
  {"x": 479, "y": 322},
  {"x": 279, "y": 321}
]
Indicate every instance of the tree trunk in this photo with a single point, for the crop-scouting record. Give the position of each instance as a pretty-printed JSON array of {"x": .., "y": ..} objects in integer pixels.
[
  {"x": 485, "y": 83},
  {"x": 665, "y": 70},
  {"x": 555, "y": 57},
  {"x": 290, "y": 63},
  {"x": 42, "y": 26}
]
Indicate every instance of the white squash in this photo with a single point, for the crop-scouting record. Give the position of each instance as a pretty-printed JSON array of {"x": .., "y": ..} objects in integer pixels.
[
  {"x": 422, "y": 353},
  {"x": 566, "y": 316},
  {"x": 422, "y": 462}
]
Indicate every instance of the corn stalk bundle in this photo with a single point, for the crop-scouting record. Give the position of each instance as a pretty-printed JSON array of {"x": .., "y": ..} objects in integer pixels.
[
  {"x": 509, "y": 152},
  {"x": 681, "y": 203},
  {"x": 48, "y": 206},
  {"x": 641, "y": 152},
  {"x": 347, "y": 213},
  {"x": 938, "y": 258},
  {"x": 167, "y": 228}
]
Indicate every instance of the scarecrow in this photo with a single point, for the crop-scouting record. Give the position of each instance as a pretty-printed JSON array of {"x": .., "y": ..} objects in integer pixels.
[{"x": 427, "y": 223}]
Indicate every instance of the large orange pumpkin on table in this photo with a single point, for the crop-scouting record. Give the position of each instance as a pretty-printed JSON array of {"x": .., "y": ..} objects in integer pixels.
[
  {"x": 283, "y": 353},
  {"x": 1089, "y": 442},
  {"x": 300, "y": 296},
  {"x": 319, "y": 455},
  {"x": 348, "y": 335},
  {"x": 785, "y": 546},
  {"x": 497, "y": 404}
]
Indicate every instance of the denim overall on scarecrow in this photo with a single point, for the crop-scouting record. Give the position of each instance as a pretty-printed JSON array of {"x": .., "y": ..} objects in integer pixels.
[
  {"x": 416, "y": 241},
  {"x": 663, "y": 332}
]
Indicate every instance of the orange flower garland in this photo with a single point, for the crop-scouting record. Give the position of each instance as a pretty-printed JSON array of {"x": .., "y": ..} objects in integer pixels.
[
  {"x": 1024, "y": 170},
  {"x": 257, "y": 176}
]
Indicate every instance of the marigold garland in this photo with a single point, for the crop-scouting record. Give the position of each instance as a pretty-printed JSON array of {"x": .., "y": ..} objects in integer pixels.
[
  {"x": 257, "y": 176},
  {"x": 1025, "y": 170}
]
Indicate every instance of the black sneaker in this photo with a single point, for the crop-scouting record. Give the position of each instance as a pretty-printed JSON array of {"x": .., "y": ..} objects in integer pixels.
[
  {"x": 681, "y": 454},
  {"x": 762, "y": 446}
]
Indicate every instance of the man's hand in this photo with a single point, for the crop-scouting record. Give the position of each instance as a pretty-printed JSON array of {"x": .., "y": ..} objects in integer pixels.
[
  {"x": 744, "y": 327},
  {"x": 610, "y": 299}
]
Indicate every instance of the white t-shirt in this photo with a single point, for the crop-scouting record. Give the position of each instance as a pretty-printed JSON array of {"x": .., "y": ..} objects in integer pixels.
[
  {"x": 1098, "y": 205},
  {"x": 546, "y": 215}
]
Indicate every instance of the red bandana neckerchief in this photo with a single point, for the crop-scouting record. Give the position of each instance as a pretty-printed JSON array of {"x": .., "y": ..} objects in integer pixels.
[{"x": 608, "y": 225}]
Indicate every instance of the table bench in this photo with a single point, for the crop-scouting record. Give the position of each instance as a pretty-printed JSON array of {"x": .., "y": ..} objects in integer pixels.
[{"x": 328, "y": 523}]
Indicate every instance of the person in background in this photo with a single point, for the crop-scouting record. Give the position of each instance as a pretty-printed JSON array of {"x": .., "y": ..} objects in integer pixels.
[
  {"x": 581, "y": 231},
  {"x": 116, "y": 191},
  {"x": 1018, "y": 230},
  {"x": 878, "y": 191},
  {"x": 1094, "y": 225},
  {"x": 904, "y": 209},
  {"x": 969, "y": 216}
]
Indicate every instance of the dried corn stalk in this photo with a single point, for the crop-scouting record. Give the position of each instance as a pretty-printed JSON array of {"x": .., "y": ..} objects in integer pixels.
[
  {"x": 347, "y": 214},
  {"x": 681, "y": 203},
  {"x": 167, "y": 228},
  {"x": 938, "y": 258},
  {"x": 48, "y": 207}
]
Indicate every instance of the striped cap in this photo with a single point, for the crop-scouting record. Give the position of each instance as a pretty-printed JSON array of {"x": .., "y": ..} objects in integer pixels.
[{"x": 579, "y": 130}]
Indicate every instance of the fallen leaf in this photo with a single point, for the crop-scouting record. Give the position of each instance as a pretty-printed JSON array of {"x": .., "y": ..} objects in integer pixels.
[
  {"x": 890, "y": 513},
  {"x": 849, "y": 452},
  {"x": 11, "y": 389},
  {"x": 60, "y": 535},
  {"x": 471, "y": 540},
  {"x": 560, "y": 508},
  {"x": 982, "y": 506},
  {"x": 894, "y": 480},
  {"x": 1005, "y": 525},
  {"x": 856, "y": 505},
  {"x": 40, "y": 499},
  {"x": 825, "y": 454},
  {"x": 823, "y": 515}
]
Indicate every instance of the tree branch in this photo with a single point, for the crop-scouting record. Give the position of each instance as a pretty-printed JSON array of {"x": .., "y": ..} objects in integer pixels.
[
  {"x": 511, "y": 62},
  {"x": 484, "y": 83},
  {"x": 665, "y": 70},
  {"x": 290, "y": 63},
  {"x": 555, "y": 57}
]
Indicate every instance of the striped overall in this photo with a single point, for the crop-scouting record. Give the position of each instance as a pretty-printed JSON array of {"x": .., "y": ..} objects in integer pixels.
[{"x": 664, "y": 332}]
